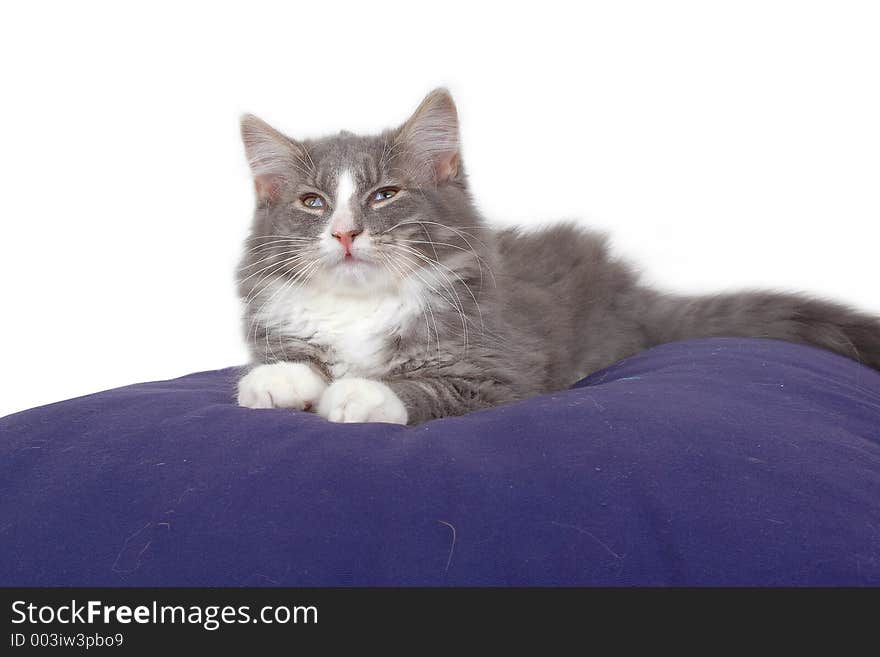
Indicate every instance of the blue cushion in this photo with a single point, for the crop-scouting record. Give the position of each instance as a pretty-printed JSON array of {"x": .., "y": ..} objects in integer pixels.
[{"x": 708, "y": 462}]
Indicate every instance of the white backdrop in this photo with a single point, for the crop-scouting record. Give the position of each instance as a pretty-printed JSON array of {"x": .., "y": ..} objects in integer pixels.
[{"x": 723, "y": 144}]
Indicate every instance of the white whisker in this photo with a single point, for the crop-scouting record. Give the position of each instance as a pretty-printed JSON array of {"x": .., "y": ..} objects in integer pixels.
[
  {"x": 458, "y": 307},
  {"x": 423, "y": 304},
  {"x": 454, "y": 273}
]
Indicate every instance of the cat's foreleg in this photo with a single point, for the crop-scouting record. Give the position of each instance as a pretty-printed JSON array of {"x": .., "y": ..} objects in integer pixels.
[
  {"x": 409, "y": 399},
  {"x": 361, "y": 400},
  {"x": 281, "y": 385}
]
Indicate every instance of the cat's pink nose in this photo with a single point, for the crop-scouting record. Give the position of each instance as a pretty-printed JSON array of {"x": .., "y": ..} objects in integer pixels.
[{"x": 346, "y": 237}]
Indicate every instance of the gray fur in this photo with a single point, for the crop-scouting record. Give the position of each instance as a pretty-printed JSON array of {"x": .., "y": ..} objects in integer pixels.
[{"x": 541, "y": 309}]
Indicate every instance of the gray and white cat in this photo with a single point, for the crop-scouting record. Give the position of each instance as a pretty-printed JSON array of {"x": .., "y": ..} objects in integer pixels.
[{"x": 375, "y": 292}]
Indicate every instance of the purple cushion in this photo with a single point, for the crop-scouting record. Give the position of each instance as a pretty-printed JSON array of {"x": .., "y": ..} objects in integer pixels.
[{"x": 723, "y": 461}]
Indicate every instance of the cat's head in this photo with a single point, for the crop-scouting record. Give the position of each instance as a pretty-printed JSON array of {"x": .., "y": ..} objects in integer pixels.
[{"x": 360, "y": 211}]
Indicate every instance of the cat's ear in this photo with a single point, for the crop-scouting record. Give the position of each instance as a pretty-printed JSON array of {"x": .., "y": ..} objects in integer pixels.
[
  {"x": 430, "y": 139},
  {"x": 273, "y": 158}
]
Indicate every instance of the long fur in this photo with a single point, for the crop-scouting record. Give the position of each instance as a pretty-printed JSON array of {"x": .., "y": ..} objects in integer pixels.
[{"x": 450, "y": 314}]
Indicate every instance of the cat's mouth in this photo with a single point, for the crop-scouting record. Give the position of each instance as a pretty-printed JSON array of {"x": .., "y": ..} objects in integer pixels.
[
  {"x": 357, "y": 270},
  {"x": 353, "y": 263},
  {"x": 353, "y": 260}
]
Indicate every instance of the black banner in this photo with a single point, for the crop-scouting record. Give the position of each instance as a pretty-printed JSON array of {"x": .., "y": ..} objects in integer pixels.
[{"x": 108, "y": 620}]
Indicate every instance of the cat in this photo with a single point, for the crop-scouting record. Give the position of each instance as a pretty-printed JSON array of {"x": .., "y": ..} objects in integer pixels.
[{"x": 375, "y": 292}]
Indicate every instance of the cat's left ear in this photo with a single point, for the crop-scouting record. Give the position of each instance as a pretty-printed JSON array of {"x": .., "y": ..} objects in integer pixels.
[{"x": 430, "y": 139}]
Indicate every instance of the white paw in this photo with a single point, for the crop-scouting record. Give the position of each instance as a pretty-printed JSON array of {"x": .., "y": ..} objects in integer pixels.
[
  {"x": 281, "y": 385},
  {"x": 361, "y": 400}
]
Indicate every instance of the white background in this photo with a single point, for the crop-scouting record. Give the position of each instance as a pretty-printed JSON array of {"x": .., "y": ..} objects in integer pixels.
[{"x": 723, "y": 144}]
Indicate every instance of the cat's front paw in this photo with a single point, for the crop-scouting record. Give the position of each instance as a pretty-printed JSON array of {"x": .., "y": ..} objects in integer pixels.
[
  {"x": 281, "y": 385},
  {"x": 361, "y": 400}
]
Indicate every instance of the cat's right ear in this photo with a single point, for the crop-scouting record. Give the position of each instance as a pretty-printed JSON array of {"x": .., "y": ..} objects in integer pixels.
[
  {"x": 272, "y": 157},
  {"x": 430, "y": 139}
]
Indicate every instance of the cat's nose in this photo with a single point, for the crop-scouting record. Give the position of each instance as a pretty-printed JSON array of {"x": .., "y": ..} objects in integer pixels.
[{"x": 346, "y": 237}]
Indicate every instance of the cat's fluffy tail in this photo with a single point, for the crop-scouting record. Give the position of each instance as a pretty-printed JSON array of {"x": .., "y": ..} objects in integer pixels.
[{"x": 790, "y": 317}]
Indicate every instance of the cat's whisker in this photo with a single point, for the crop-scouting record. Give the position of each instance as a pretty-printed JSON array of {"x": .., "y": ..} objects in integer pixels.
[
  {"x": 457, "y": 276},
  {"x": 451, "y": 246},
  {"x": 284, "y": 269},
  {"x": 304, "y": 170},
  {"x": 287, "y": 260},
  {"x": 458, "y": 231},
  {"x": 272, "y": 236},
  {"x": 260, "y": 255},
  {"x": 285, "y": 274},
  {"x": 428, "y": 236},
  {"x": 280, "y": 239},
  {"x": 308, "y": 155},
  {"x": 275, "y": 254},
  {"x": 401, "y": 223},
  {"x": 434, "y": 264},
  {"x": 477, "y": 257},
  {"x": 303, "y": 277},
  {"x": 275, "y": 244},
  {"x": 397, "y": 271},
  {"x": 279, "y": 250},
  {"x": 307, "y": 168},
  {"x": 425, "y": 306},
  {"x": 298, "y": 274},
  {"x": 458, "y": 307},
  {"x": 461, "y": 234},
  {"x": 387, "y": 153},
  {"x": 407, "y": 269}
]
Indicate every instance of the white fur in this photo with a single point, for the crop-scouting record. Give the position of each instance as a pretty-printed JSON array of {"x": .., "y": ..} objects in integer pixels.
[
  {"x": 352, "y": 310},
  {"x": 342, "y": 219},
  {"x": 361, "y": 400},
  {"x": 353, "y": 326},
  {"x": 281, "y": 385}
]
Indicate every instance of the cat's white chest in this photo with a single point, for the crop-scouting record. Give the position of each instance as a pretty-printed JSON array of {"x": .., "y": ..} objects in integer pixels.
[{"x": 356, "y": 332}]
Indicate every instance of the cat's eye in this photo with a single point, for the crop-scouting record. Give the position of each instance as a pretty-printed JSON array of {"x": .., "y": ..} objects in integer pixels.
[
  {"x": 384, "y": 194},
  {"x": 313, "y": 201}
]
